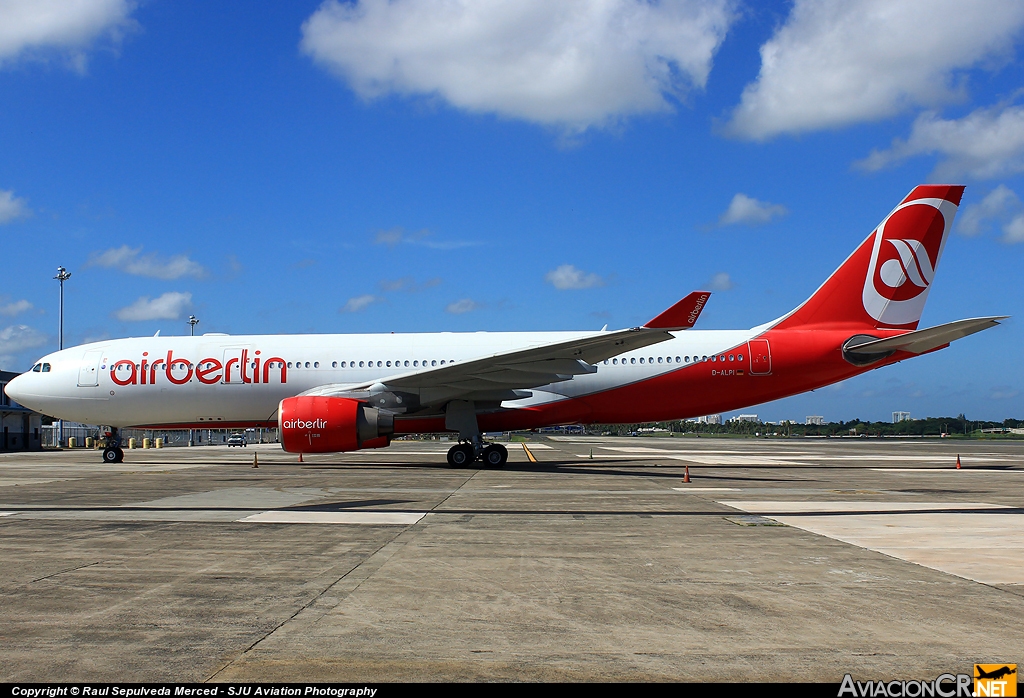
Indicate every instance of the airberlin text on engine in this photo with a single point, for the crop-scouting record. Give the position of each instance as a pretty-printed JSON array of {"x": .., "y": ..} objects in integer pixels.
[{"x": 179, "y": 371}]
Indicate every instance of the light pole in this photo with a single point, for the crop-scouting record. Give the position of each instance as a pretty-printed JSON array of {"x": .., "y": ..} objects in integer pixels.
[
  {"x": 192, "y": 322},
  {"x": 62, "y": 276}
]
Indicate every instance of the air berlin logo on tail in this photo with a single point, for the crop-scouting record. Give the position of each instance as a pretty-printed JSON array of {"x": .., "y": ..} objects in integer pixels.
[{"x": 906, "y": 250}]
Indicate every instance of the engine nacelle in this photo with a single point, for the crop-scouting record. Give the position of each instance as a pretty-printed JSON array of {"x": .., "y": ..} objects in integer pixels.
[{"x": 310, "y": 424}]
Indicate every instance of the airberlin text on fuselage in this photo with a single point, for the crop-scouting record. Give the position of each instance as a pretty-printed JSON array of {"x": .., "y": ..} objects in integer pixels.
[{"x": 179, "y": 371}]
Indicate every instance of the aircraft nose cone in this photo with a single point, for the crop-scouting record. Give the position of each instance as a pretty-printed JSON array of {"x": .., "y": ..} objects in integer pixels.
[{"x": 15, "y": 389}]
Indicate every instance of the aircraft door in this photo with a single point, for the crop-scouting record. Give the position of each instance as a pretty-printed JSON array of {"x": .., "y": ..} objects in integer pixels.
[
  {"x": 760, "y": 357},
  {"x": 235, "y": 373},
  {"x": 89, "y": 369}
]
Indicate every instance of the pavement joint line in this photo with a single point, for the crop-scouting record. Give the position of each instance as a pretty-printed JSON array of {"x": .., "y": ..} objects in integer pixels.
[
  {"x": 70, "y": 569},
  {"x": 372, "y": 563}
]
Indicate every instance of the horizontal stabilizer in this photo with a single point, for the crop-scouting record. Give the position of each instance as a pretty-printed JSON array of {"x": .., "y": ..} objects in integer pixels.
[
  {"x": 920, "y": 341},
  {"x": 683, "y": 315}
]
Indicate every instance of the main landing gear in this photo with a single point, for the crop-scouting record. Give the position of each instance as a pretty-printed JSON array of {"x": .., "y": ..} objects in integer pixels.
[
  {"x": 465, "y": 454},
  {"x": 113, "y": 453},
  {"x": 460, "y": 415}
]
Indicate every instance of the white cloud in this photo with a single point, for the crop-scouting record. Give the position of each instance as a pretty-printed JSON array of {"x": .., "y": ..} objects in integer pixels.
[
  {"x": 408, "y": 284},
  {"x": 995, "y": 205},
  {"x": 984, "y": 144},
  {"x": 11, "y": 207},
  {"x": 568, "y": 277},
  {"x": 1013, "y": 232},
  {"x": 743, "y": 209},
  {"x": 15, "y": 307},
  {"x": 839, "y": 62},
  {"x": 357, "y": 303},
  {"x": 1000, "y": 206},
  {"x": 28, "y": 27},
  {"x": 15, "y": 339},
  {"x": 571, "y": 63},
  {"x": 169, "y": 306},
  {"x": 131, "y": 261},
  {"x": 719, "y": 282},
  {"x": 394, "y": 237},
  {"x": 465, "y": 305}
]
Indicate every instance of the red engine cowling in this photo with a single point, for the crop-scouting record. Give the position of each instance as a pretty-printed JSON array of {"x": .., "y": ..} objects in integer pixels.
[{"x": 311, "y": 424}]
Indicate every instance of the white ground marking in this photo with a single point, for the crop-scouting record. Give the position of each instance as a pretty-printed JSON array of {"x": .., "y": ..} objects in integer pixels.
[
  {"x": 698, "y": 490},
  {"x": 694, "y": 457},
  {"x": 982, "y": 545},
  {"x": 533, "y": 445},
  {"x": 12, "y": 481},
  {"x": 238, "y": 497},
  {"x": 368, "y": 518},
  {"x": 948, "y": 469},
  {"x": 8, "y": 513}
]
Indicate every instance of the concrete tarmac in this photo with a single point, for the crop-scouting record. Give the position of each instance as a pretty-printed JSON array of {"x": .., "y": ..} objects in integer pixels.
[{"x": 782, "y": 560}]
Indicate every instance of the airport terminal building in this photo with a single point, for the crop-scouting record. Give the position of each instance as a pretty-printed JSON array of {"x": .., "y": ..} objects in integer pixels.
[{"x": 21, "y": 426}]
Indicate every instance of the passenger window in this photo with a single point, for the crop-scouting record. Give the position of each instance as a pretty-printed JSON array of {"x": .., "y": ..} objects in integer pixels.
[
  {"x": 731, "y": 358},
  {"x": 678, "y": 361},
  {"x": 289, "y": 364},
  {"x": 316, "y": 365},
  {"x": 632, "y": 361},
  {"x": 659, "y": 359},
  {"x": 389, "y": 364},
  {"x": 415, "y": 364},
  {"x": 407, "y": 364},
  {"x": 704, "y": 358},
  {"x": 434, "y": 362},
  {"x": 360, "y": 364},
  {"x": 442, "y": 362},
  {"x": 641, "y": 359},
  {"x": 739, "y": 357}
]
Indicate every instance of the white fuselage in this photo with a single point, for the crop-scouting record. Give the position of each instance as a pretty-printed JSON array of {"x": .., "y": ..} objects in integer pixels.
[{"x": 129, "y": 382}]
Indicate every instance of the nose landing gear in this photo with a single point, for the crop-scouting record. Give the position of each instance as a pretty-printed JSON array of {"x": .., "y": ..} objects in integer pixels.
[{"x": 113, "y": 453}]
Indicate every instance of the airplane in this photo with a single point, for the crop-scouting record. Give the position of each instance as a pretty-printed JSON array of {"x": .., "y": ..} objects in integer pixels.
[{"x": 338, "y": 393}]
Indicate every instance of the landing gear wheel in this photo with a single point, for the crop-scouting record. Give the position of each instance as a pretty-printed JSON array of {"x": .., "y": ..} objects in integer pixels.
[
  {"x": 113, "y": 455},
  {"x": 461, "y": 456},
  {"x": 495, "y": 455}
]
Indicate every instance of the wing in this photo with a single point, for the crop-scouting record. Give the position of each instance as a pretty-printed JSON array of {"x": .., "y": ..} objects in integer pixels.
[{"x": 508, "y": 375}]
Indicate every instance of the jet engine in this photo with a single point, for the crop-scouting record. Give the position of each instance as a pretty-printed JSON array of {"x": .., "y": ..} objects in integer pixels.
[{"x": 311, "y": 424}]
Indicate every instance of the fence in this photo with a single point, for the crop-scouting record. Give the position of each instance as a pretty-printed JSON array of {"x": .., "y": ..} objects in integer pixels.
[{"x": 170, "y": 437}]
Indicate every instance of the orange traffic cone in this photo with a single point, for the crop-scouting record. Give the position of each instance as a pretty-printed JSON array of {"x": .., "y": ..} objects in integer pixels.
[
  {"x": 686, "y": 474},
  {"x": 958, "y": 461},
  {"x": 255, "y": 460}
]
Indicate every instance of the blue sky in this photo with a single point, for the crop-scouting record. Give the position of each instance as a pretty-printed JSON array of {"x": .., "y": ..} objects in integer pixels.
[{"x": 422, "y": 165}]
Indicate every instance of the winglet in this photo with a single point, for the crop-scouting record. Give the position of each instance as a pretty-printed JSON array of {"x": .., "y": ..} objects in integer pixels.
[{"x": 683, "y": 314}]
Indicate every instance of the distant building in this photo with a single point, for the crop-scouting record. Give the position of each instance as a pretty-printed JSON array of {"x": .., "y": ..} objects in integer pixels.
[
  {"x": 21, "y": 425},
  {"x": 710, "y": 419},
  {"x": 815, "y": 419},
  {"x": 900, "y": 417},
  {"x": 745, "y": 418}
]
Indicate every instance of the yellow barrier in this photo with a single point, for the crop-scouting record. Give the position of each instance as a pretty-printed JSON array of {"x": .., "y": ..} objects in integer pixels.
[
  {"x": 131, "y": 443},
  {"x": 159, "y": 443},
  {"x": 72, "y": 442},
  {"x": 89, "y": 442},
  {"x": 147, "y": 443}
]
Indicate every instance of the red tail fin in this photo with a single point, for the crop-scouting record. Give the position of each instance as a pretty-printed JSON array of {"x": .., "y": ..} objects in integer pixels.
[{"x": 885, "y": 282}]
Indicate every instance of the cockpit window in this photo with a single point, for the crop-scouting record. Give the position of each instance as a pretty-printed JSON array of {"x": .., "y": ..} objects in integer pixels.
[
  {"x": 37, "y": 368},
  {"x": 46, "y": 368}
]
